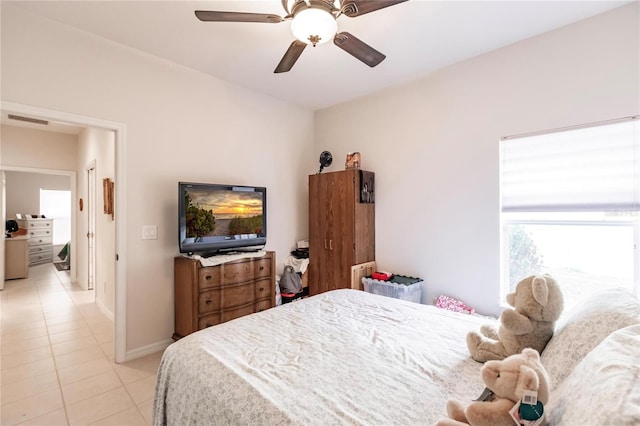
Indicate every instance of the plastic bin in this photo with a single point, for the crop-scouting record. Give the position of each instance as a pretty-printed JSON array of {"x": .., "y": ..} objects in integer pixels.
[{"x": 398, "y": 287}]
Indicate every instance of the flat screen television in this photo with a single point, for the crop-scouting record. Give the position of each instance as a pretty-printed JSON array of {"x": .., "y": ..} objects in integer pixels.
[{"x": 216, "y": 219}]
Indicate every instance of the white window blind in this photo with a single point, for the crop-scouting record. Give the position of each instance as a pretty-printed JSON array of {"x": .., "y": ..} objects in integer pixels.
[{"x": 586, "y": 169}]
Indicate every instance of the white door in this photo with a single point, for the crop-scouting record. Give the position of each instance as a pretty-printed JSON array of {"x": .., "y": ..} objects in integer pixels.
[{"x": 91, "y": 228}]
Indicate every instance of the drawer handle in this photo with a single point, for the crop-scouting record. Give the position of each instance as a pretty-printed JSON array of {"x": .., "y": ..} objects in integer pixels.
[
  {"x": 261, "y": 289},
  {"x": 208, "y": 301},
  {"x": 207, "y": 277},
  {"x": 261, "y": 268}
]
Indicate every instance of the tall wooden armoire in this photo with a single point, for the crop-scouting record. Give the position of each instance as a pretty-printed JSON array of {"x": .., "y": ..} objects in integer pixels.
[{"x": 341, "y": 227}]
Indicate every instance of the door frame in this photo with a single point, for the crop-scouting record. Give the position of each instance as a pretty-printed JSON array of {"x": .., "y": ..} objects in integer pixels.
[
  {"x": 72, "y": 177},
  {"x": 119, "y": 129}
]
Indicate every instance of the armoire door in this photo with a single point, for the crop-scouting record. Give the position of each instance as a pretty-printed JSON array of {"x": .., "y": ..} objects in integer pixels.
[
  {"x": 341, "y": 228},
  {"x": 318, "y": 231}
]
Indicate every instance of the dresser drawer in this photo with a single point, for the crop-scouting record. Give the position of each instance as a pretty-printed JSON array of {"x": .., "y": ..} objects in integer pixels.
[
  {"x": 225, "y": 315},
  {"x": 35, "y": 223},
  {"x": 39, "y": 224},
  {"x": 40, "y": 233},
  {"x": 209, "y": 321},
  {"x": 209, "y": 277},
  {"x": 237, "y": 295},
  {"x": 262, "y": 268},
  {"x": 237, "y": 272},
  {"x": 263, "y": 288},
  {"x": 263, "y": 305},
  {"x": 41, "y": 249},
  {"x": 209, "y": 301},
  {"x": 37, "y": 241},
  {"x": 37, "y": 258},
  {"x": 233, "y": 313}
]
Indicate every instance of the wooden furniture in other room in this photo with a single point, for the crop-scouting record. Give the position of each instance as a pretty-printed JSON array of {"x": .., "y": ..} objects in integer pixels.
[
  {"x": 206, "y": 296},
  {"x": 40, "y": 232},
  {"x": 358, "y": 272},
  {"x": 16, "y": 257},
  {"x": 341, "y": 227}
]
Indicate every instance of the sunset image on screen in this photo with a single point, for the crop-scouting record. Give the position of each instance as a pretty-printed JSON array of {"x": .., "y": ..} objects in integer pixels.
[{"x": 223, "y": 213}]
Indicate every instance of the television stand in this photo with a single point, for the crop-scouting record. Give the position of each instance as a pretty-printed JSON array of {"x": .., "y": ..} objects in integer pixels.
[{"x": 210, "y": 295}]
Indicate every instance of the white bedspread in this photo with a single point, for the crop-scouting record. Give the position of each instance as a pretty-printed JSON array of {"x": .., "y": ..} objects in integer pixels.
[{"x": 342, "y": 357}]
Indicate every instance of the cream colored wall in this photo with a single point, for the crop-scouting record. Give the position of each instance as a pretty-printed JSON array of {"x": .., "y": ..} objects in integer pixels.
[
  {"x": 433, "y": 144},
  {"x": 23, "y": 190},
  {"x": 180, "y": 125},
  {"x": 33, "y": 148},
  {"x": 97, "y": 147}
]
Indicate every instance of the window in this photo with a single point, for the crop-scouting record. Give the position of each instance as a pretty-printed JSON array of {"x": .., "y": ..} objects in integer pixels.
[
  {"x": 56, "y": 205},
  {"x": 570, "y": 205}
]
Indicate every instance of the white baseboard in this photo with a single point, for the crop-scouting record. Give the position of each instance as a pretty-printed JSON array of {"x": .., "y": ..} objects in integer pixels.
[
  {"x": 104, "y": 310},
  {"x": 148, "y": 350}
]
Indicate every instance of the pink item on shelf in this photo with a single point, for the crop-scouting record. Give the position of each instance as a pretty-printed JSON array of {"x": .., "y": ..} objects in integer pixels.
[{"x": 452, "y": 304}]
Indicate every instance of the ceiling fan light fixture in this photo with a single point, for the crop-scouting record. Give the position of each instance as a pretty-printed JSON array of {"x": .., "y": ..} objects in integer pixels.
[{"x": 314, "y": 26}]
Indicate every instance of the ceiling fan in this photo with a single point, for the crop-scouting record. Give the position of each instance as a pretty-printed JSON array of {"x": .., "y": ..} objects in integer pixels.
[{"x": 313, "y": 22}]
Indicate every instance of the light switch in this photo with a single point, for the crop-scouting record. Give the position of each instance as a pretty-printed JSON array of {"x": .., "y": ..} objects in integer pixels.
[{"x": 149, "y": 232}]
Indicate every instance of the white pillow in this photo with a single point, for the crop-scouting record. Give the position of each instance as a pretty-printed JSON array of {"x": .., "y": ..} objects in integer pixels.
[
  {"x": 604, "y": 388},
  {"x": 584, "y": 327}
]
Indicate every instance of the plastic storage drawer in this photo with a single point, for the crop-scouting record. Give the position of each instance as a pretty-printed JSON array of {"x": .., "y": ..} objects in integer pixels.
[{"x": 398, "y": 287}]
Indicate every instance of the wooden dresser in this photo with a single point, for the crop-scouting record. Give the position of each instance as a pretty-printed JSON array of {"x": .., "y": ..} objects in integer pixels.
[
  {"x": 40, "y": 232},
  {"x": 206, "y": 296}
]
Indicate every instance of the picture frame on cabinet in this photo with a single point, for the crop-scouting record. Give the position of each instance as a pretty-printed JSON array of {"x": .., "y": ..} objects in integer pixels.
[{"x": 367, "y": 187}]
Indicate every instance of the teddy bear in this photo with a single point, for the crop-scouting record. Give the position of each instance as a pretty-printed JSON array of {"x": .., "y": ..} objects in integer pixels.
[
  {"x": 507, "y": 381},
  {"x": 537, "y": 304}
]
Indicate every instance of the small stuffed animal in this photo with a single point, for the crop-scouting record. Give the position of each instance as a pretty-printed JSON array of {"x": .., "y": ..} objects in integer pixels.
[
  {"x": 507, "y": 380},
  {"x": 537, "y": 304}
]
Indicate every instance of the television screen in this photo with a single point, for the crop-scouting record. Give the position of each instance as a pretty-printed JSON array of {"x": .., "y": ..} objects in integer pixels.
[{"x": 216, "y": 217}]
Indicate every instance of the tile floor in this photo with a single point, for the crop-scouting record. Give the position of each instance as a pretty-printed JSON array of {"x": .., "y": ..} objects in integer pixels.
[{"x": 57, "y": 363}]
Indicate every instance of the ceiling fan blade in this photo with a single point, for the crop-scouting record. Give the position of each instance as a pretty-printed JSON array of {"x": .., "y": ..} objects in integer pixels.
[
  {"x": 290, "y": 57},
  {"x": 358, "y": 49},
  {"x": 353, "y": 8},
  {"x": 210, "y": 15}
]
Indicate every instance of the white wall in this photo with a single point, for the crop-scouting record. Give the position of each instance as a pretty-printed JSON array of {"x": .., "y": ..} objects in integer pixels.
[
  {"x": 33, "y": 148},
  {"x": 180, "y": 125},
  {"x": 23, "y": 190},
  {"x": 434, "y": 144},
  {"x": 96, "y": 147}
]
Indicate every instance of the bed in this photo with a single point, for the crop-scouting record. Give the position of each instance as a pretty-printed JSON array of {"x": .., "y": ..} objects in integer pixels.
[{"x": 350, "y": 357}]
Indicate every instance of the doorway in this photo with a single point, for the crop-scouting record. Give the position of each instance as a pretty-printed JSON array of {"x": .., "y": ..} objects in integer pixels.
[
  {"x": 118, "y": 130},
  {"x": 57, "y": 179}
]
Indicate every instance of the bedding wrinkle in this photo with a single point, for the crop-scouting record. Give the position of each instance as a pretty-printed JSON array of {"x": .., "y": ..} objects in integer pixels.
[{"x": 344, "y": 357}]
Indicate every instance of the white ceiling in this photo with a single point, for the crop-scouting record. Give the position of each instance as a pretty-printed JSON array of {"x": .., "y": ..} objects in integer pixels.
[{"x": 418, "y": 37}]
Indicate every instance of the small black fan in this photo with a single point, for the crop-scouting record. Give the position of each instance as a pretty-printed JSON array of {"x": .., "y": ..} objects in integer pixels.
[{"x": 325, "y": 160}]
